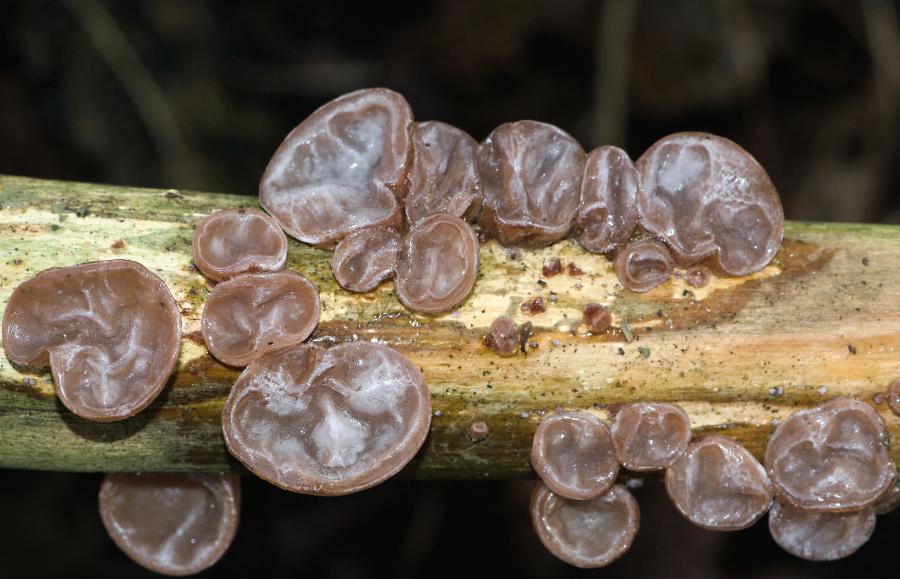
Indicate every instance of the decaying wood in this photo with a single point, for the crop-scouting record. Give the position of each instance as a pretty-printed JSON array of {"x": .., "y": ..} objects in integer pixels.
[{"x": 823, "y": 320}]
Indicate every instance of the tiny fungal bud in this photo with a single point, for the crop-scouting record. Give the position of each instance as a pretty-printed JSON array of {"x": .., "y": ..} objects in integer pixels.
[
  {"x": 697, "y": 276},
  {"x": 596, "y": 318},
  {"x": 816, "y": 536},
  {"x": 504, "y": 337},
  {"x": 365, "y": 258},
  {"x": 607, "y": 214},
  {"x": 551, "y": 267},
  {"x": 894, "y": 398},
  {"x": 644, "y": 264},
  {"x": 535, "y": 306},
  {"x": 574, "y": 270},
  {"x": 235, "y": 241},
  {"x": 650, "y": 437},
  {"x": 478, "y": 430}
]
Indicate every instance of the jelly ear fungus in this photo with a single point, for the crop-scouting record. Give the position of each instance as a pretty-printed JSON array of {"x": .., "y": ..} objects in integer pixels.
[
  {"x": 607, "y": 213},
  {"x": 644, "y": 264},
  {"x": 819, "y": 536},
  {"x": 648, "y": 437},
  {"x": 365, "y": 258},
  {"x": 235, "y": 241}
]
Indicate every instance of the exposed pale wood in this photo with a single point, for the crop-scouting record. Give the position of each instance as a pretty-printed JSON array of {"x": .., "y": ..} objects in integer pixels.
[{"x": 737, "y": 354}]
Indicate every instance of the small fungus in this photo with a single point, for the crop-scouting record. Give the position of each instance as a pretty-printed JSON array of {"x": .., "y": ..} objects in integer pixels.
[
  {"x": 235, "y": 241},
  {"x": 697, "y": 276},
  {"x": 533, "y": 306},
  {"x": 551, "y": 267},
  {"x": 478, "y": 430},
  {"x": 574, "y": 270},
  {"x": 894, "y": 397},
  {"x": 504, "y": 337},
  {"x": 817, "y": 536},
  {"x": 649, "y": 437},
  {"x": 607, "y": 214},
  {"x": 366, "y": 257},
  {"x": 644, "y": 264}
]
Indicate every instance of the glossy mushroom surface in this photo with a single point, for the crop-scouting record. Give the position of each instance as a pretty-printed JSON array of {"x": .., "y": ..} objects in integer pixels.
[
  {"x": 831, "y": 458},
  {"x": 590, "y": 533},
  {"x": 256, "y": 313},
  {"x": 718, "y": 485},
  {"x": 894, "y": 397},
  {"x": 607, "y": 213},
  {"x": 443, "y": 177},
  {"x": 438, "y": 264},
  {"x": 366, "y": 257},
  {"x": 596, "y": 318},
  {"x": 648, "y": 436},
  {"x": 110, "y": 331},
  {"x": 530, "y": 179},
  {"x": 327, "y": 422},
  {"x": 889, "y": 499},
  {"x": 171, "y": 524},
  {"x": 504, "y": 338},
  {"x": 235, "y": 241},
  {"x": 573, "y": 454},
  {"x": 817, "y": 536},
  {"x": 644, "y": 264},
  {"x": 343, "y": 168},
  {"x": 706, "y": 196}
]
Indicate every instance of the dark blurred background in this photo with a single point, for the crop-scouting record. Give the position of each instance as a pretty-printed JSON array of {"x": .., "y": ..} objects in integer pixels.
[{"x": 197, "y": 95}]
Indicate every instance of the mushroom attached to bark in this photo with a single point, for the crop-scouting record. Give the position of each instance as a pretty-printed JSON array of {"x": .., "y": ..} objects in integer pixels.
[
  {"x": 889, "y": 499},
  {"x": 531, "y": 179},
  {"x": 590, "y": 533},
  {"x": 573, "y": 454},
  {"x": 831, "y": 458},
  {"x": 817, "y": 536},
  {"x": 607, "y": 214},
  {"x": 705, "y": 196},
  {"x": 438, "y": 264},
  {"x": 596, "y": 318},
  {"x": 649, "y": 436},
  {"x": 256, "y": 313},
  {"x": 504, "y": 338},
  {"x": 171, "y": 524},
  {"x": 343, "y": 168},
  {"x": 235, "y": 241},
  {"x": 894, "y": 397},
  {"x": 443, "y": 177},
  {"x": 718, "y": 485},
  {"x": 110, "y": 331},
  {"x": 644, "y": 264},
  {"x": 366, "y": 257},
  {"x": 327, "y": 422}
]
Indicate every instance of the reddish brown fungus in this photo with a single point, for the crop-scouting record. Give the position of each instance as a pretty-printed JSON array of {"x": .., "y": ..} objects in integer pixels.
[
  {"x": 718, "y": 485},
  {"x": 478, "y": 430},
  {"x": 256, "y": 313},
  {"x": 171, "y": 524},
  {"x": 817, "y": 536},
  {"x": 608, "y": 213},
  {"x": 644, "y": 264},
  {"x": 650, "y": 436},
  {"x": 443, "y": 177},
  {"x": 706, "y": 196},
  {"x": 596, "y": 318},
  {"x": 552, "y": 266},
  {"x": 831, "y": 458},
  {"x": 534, "y": 306},
  {"x": 574, "y": 270},
  {"x": 894, "y": 398},
  {"x": 573, "y": 454},
  {"x": 366, "y": 257},
  {"x": 110, "y": 331},
  {"x": 235, "y": 241},
  {"x": 696, "y": 276},
  {"x": 504, "y": 337},
  {"x": 327, "y": 422},
  {"x": 343, "y": 168},
  {"x": 590, "y": 533},
  {"x": 438, "y": 264},
  {"x": 531, "y": 178}
]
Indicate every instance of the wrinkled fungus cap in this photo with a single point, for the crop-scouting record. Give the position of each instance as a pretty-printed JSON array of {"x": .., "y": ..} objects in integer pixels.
[
  {"x": 649, "y": 436},
  {"x": 644, "y": 264},
  {"x": 366, "y": 257},
  {"x": 327, "y": 422},
  {"x": 110, "y": 330},
  {"x": 235, "y": 241},
  {"x": 607, "y": 214},
  {"x": 817, "y": 536},
  {"x": 504, "y": 338}
]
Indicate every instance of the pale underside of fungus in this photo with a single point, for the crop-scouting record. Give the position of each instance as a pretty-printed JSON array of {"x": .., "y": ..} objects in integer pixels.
[
  {"x": 649, "y": 436},
  {"x": 110, "y": 331},
  {"x": 644, "y": 264},
  {"x": 171, "y": 524},
  {"x": 607, "y": 213},
  {"x": 366, "y": 257},
  {"x": 235, "y": 241},
  {"x": 889, "y": 499},
  {"x": 343, "y": 168},
  {"x": 327, "y": 422},
  {"x": 818, "y": 536}
]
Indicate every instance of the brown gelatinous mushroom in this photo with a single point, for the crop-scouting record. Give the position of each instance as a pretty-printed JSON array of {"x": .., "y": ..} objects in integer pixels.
[
  {"x": 443, "y": 177},
  {"x": 171, "y": 524},
  {"x": 438, "y": 264},
  {"x": 573, "y": 454},
  {"x": 894, "y": 397},
  {"x": 327, "y": 422},
  {"x": 889, "y": 499},
  {"x": 235, "y": 241},
  {"x": 817, "y": 536},
  {"x": 366, "y": 257},
  {"x": 343, "y": 168},
  {"x": 649, "y": 436},
  {"x": 696, "y": 276},
  {"x": 590, "y": 533},
  {"x": 256, "y": 313},
  {"x": 596, "y": 318},
  {"x": 644, "y": 264},
  {"x": 718, "y": 485},
  {"x": 504, "y": 337},
  {"x": 110, "y": 331},
  {"x": 607, "y": 214},
  {"x": 531, "y": 179},
  {"x": 706, "y": 196},
  {"x": 830, "y": 458}
]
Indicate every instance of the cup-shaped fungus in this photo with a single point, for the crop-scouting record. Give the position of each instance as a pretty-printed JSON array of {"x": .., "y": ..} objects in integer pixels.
[
  {"x": 235, "y": 241},
  {"x": 366, "y": 257},
  {"x": 644, "y": 264},
  {"x": 327, "y": 422},
  {"x": 110, "y": 331},
  {"x": 443, "y": 177},
  {"x": 718, "y": 485},
  {"x": 608, "y": 211},
  {"x": 649, "y": 436},
  {"x": 889, "y": 499},
  {"x": 706, "y": 196},
  {"x": 171, "y": 524},
  {"x": 250, "y": 315},
  {"x": 531, "y": 179},
  {"x": 573, "y": 454},
  {"x": 894, "y": 397},
  {"x": 830, "y": 458},
  {"x": 342, "y": 168},
  {"x": 596, "y": 318},
  {"x": 817, "y": 536},
  {"x": 438, "y": 264},
  {"x": 504, "y": 338},
  {"x": 590, "y": 533}
]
